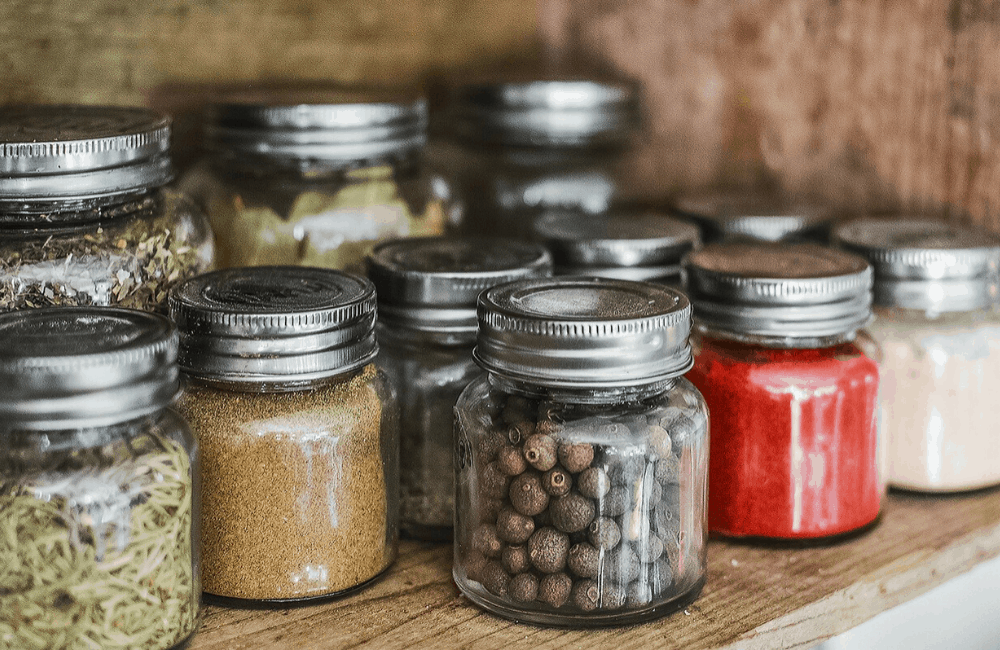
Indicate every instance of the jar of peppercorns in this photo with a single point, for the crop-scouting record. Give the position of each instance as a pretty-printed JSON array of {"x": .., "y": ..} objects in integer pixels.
[{"x": 582, "y": 455}]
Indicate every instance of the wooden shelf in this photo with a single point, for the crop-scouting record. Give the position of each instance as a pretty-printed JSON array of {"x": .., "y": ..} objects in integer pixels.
[{"x": 755, "y": 597}]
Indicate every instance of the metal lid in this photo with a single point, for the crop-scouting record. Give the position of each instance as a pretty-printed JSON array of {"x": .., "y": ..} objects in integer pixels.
[
  {"x": 923, "y": 263},
  {"x": 747, "y": 215},
  {"x": 584, "y": 332},
  {"x": 538, "y": 112},
  {"x": 72, "y": 367},
  {"x": 616, "y": 240},
  {"x": 274, "y": 324},
  {"x": 779, "y": 290},
  {"x": 73, "y": 153},
  {"x": 431, "y": 283},
  {"x": 318, "y": 123}
]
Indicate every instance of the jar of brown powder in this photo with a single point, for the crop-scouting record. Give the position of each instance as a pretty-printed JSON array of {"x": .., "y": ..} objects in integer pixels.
[{"x": 298, "y": 429}]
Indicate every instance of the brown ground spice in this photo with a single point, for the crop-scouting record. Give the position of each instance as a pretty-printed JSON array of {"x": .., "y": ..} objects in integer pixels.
[{"x": 294, "y": 498}]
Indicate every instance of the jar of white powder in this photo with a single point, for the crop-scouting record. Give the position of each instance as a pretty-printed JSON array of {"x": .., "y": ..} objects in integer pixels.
[{"x": 936, "y": 297}]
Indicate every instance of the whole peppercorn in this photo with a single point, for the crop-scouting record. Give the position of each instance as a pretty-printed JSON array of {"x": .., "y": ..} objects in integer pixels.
[
  {"x": 665, "y": 520},
  {"x": 576, "y": 457},
  {"x": 488, "y": 445},
  {"x": 495, "y": 579},
  {"x": 572, "y": 512},
  {"x": 540, "y": 451},
  {"x": 639, "y": 594},
  {"x": 613, "y": 595},
  {"x": 554, "y": 589},
  {"x": 593, "y": 482},
  {"x": 557, "y": 481},
  {"x": 548, "y": 549},
  {"x": 511, "y": 461},
  {"x": 623, "y": 468},
  {"x": 661, "y": 576},
  {"x": 514, "y": 559},
  {"x": 667, "y": 470},
  {"x": 486, "y": 540},
  {"x": 513, "y": 527},
  {"x": 671, "y": 549},
  {"x": 585, "y": 595},
  {"x": 519, "y": 431},
  {"x": 548, "y": 426},
  {"x": 604, "y": 533},
  {"x": 518, "y": 409},
  {"x": 584, "y": 560},
  {"x": 492, "y": 482},
  {"x": 489, "y": 509},
  {"x": 474, "y": 564},
  {"x": 615, "y": 502},
  {"x": 659, "y": 441},
  {"x": 649, "y": 548},
  {"x": 523, "y": 587},
  {"x": 621, "y": 566},
  {"x": 527, "y": 495}
]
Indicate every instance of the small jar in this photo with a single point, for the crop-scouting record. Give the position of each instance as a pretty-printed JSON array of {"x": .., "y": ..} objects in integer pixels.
[
  {"x": 315, "y": 178},
  {"x": 99, "y": 488},
  {"x": 85, "y": 217},
  {"x": 298, "y": 431},
  {"x": 427, "y": 290},
  {"x": 623, "y": 243},
  {"x": 937, "y": 321},
  {"x": 582, "y": 455},
  {"x": 733, "y": 215},
  {"x": 791, "y": 379},
  {"x": 513, "y": 149}
]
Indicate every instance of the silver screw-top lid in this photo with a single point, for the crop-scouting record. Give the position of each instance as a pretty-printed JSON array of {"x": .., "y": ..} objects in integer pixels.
[
  {"x": 923, "y": 263},
  {"x": 274, "y": 324},
  {"x": 622, "y": 243},
  {"x": 564, "y": 112},
  {"x": 431, "y": 283},
  {"x": 74, "y": 367},
  {"x": 318, "y": 124},
  {"x": 584, "y": 332},
  {"x": 723, "y": 216},
  {"x": 789, "y": 291},
  {"x": 65, "y": 154}
]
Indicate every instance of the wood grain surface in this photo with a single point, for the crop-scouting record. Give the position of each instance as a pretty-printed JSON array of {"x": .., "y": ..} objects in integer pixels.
[{"x": 756, "y": 597}]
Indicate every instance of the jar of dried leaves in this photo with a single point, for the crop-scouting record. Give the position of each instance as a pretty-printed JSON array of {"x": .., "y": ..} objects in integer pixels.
[{"x": 85, "y": 218}]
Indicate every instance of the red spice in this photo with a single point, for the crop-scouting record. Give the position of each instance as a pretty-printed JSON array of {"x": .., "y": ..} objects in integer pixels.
[{"x": 793, "y": 439}]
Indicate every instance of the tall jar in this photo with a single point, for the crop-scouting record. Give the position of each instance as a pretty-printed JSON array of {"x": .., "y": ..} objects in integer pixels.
[
  {"x": 791, "y": 379},
  {"x": 315, "y": 177},
  {"x": 730, "y": 215},
  {"x": 298, "y": 430},
  {"x": 582, "y": 455},
  {"x": 937, "y": 321},
  {"x": 514, "y": 148},
  {"x": 85, "y": 217},
  {"x": 625, "y": 242},
  {"x": 99, "y": 488},
  {"x": 427, "y": 290}
]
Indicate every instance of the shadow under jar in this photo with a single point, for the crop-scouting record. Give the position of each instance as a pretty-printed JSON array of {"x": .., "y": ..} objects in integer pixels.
[
  {"x": 298, "y": 431},
  {"x": 938, "y": 324},
  {"x": 427, "y": 290},
  {"x": 99, "y": 494},
  {"x": 581, "y": 455},
  {"x": 791, "y": 379},
  {"x": 85, "y": 217},
  {"x": 315, "y": 177}
]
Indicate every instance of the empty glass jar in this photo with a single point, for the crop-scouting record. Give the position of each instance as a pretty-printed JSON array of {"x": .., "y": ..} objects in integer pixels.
[
  {"x": 582, "y": 455},
  {"x": 85, "y": 218}
]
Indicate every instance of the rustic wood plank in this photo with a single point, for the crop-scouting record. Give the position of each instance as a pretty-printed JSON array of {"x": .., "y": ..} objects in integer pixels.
[{"x": 756, "y": 597}]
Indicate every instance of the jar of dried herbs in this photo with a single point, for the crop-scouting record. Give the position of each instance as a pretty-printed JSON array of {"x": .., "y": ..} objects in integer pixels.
[
  {"x": 85, "y": 217},
  {"x": 298, "y": 430},
  {"x": 99, "y": 487},
  {"x": 427, "y": 290},
  {"x": 582, "y": 455},
  {"x": 315, "y": 177}
]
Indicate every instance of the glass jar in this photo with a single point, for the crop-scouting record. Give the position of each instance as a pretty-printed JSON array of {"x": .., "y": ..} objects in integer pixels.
[
  {"x": 298, "y": 431},
  {"x": 937, "y": 321},
  {"x": 512, "y": 149},
  {"x": 315, "y": 177},
  {"x": 625, "y": 243},
  {"x": 582, "y": 455},
  {"x": 760, "y": 216},
  {"x": 85, "y": 218},
  {"x": 427, "y": 290},
  {"x": 791, "y": 380},
  {"x": 99, "y": 493}
]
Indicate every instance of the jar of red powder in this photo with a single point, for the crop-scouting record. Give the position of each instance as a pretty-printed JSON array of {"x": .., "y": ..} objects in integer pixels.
[
  {"x": 581, "y": 455},
  {"x": 791, "y": 380}
]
